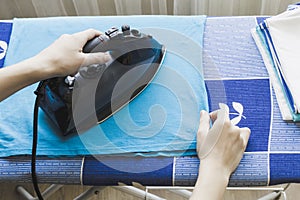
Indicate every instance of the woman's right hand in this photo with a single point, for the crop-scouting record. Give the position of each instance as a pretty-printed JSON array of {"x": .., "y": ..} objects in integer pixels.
[
  {"x": 229, "y": 142},
  {"x": 220, "y": 150}
]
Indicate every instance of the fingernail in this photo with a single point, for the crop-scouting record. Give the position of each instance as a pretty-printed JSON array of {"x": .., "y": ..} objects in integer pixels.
[
  {"x": 107, "y": 57},
  {"x": 201, "y": 113}
]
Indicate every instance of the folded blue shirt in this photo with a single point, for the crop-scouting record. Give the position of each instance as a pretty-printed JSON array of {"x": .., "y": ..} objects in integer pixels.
[{"x": 162, "y": 120}]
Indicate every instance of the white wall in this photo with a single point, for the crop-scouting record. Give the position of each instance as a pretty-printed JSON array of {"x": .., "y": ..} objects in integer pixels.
[{"x": 43, "y": 8}]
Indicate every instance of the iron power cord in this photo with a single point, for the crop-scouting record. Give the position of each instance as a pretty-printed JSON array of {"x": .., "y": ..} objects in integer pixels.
[{"x": 35, "y": 141}]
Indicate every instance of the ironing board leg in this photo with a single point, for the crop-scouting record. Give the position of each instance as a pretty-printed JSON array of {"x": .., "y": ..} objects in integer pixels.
[
  {"x": 271, "y": 196},
  {"x": 183, "y": 193},
  {"x": 276, "y": 194},
  {"x": 46, "y": 194},
  {"x": 138, "y": 192},
  {"x": 24, "y": 193},
  {"x": 127, "y": 189}
]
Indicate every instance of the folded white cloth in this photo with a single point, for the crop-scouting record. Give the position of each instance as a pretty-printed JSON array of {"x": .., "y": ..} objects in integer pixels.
[
  {"x": 282, "y": 100},
  {"x": 278, "y": 41},
  {"x": 284, "y": 31}
]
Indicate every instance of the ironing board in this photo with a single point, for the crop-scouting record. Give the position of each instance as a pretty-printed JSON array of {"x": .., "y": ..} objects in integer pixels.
[{"x": 234, "y": 74}]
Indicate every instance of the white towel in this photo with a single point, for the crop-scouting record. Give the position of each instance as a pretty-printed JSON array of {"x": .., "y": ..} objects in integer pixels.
[
  {"x": 285, "y": 110},
  {"x": 284, "y": 30}
]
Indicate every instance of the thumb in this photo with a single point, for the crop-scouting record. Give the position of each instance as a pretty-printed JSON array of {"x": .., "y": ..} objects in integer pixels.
[
  {"x": 203, "y": 129},
  {"x": 210, "y": 136}
]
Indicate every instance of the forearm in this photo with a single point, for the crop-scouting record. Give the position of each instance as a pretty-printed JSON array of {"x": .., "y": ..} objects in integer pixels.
[
  {"x": 20, "y": 75},
  {"x": 211, "y": 183},
  {"x": 61, "y": 58}
]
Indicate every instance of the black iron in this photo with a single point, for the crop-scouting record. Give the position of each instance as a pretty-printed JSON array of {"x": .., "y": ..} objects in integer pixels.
[{"x": 76, "y": 103}]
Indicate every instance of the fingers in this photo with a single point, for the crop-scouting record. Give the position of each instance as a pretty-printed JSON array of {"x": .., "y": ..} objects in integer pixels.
[
  {"x": 223, "y": 114},
  {"x": 220, "y": 113},
  {"x": 245, "y": 134},
  {"x": 204, "y": 125},
  {"x": 99, "y": 58},
  {"x": 202, "y": 134},
  {"x": 92, "y": 58},
  {"x": 213, "y": 115},
  {"x": 220, "y": 117},
  {"x": 86, "y": 35}
]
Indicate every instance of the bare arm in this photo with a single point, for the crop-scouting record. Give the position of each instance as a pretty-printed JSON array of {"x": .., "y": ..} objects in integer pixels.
[
  {"x": 61, "y": 58},
  {"x": 217, "y": 166}
]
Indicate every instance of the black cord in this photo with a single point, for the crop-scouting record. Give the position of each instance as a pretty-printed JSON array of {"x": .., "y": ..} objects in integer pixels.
[{"x": 34, "y": 143}]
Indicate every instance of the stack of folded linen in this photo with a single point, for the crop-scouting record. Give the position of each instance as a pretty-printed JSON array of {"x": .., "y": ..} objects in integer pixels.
[{"x": 277, "y": 39}]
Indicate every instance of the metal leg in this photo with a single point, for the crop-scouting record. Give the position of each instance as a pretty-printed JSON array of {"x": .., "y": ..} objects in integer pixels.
[
  {"x": 183, "y": 193},
  {"x": 91, "y": 192},
  {"x": 24, "y": 193},
  {"x": 271, "y": 196},
  {"x": 138, "y": 192},
  {"x": 276, "y": 194},
  {"x": 124, "y": 188},
  {"x": 46, "y": 194}
]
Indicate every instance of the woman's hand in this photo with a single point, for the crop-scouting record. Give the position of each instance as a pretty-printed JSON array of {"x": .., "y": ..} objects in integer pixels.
[
  {"x": 62, "y": 58},
  {"x": 65, "y": 55},
  {"x": 229, "y": 142},
  {"x": 220, "y": 149}
]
